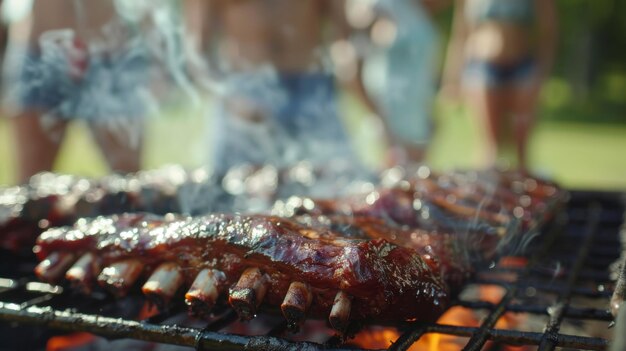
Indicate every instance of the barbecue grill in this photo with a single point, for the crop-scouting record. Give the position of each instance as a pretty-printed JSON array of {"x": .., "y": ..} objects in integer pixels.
[{"x": 584, "y": 241}]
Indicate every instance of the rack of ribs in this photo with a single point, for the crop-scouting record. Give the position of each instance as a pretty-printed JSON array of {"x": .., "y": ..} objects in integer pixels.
[
  {"x": 305, "y": 269},
  {"x": 489, "y": 202},
  {"x": 52, "y": 200},
  {"x": 399, "y": 252}
]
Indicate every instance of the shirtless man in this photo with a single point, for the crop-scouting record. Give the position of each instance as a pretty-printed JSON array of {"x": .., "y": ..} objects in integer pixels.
[
  {"x": 68, "y": 60},
  {"x": 277, "y": 103}
]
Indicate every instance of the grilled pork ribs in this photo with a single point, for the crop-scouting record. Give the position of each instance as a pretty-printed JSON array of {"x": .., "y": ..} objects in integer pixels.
[
  {"x": 304, "y": 269},
  {"x": 397, "y": 252}
]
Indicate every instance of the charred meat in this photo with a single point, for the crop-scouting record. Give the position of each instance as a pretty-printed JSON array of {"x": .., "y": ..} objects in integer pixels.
[
  {"x": 301, "y": 269},
  {"x": 399, "y": 251}
]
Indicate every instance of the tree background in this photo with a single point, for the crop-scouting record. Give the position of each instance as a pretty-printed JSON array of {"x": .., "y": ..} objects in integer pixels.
[{"x": 588, "y": 82}]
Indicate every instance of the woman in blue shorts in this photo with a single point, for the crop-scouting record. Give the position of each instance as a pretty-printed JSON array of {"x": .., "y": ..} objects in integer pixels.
[{"x": 503, "y": 51}]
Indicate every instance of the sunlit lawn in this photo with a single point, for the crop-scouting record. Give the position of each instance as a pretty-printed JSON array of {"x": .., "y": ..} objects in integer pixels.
[{"x": 577, "y": 155}]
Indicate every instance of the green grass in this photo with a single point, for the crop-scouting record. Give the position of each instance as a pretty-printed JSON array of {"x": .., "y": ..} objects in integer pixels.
[{"x": 575, "y": 154}]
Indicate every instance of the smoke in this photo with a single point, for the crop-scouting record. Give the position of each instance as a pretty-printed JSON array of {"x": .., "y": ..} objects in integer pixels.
[
  {"x": 488, "y": 215},
  {"x": 260, "y": 189},
  {"x": 113, "y": 75},
  {"x": 265, "y": 120},
  {"x": 105, "y": 74}
]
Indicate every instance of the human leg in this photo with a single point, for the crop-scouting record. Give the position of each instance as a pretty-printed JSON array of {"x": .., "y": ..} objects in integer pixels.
[
  {"x": 522, "y": 92},
  {"x": 121, "y": 144},
  {"x": 37, "y": 144},
  {"x": 487, "y": 106},
  {"x": 523, "y": 109}
]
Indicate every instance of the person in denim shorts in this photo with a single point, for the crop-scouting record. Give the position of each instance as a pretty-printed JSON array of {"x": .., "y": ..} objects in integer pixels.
[
  {"x": 502, "y": 51},
  {"x": 75, "y": 60}
]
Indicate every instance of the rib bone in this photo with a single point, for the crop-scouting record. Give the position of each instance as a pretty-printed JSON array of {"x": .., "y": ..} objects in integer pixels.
[
  {"x": 83, "y": 271},
  {"x": 296, "y": 303},
  {"x": 204, "y": 291},
  {"x": 248, "y": 293},
  {"x": 51, "y": 268},
  {"x": 163, "y": 283},
  {"x": 340, "y": 312},
  {"x": 120, "y": 276}
]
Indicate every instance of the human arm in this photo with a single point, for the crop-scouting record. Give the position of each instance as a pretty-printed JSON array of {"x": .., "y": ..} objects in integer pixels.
[
  {"x": 202, "y": 26},
  {"x": 451, "y": 80},
  {"x": 202, "y": 22},
  {"x": 349, "y": 64}
]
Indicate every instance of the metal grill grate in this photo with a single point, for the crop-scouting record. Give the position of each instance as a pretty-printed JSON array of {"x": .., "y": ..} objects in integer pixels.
[{"x": 583, "y": 246}]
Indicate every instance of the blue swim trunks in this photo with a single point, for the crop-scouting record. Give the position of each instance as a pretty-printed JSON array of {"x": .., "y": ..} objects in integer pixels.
[
  {"x": 299, "y": 121},
  {"x": 483, "y": 73},
  {"x": 101, "y": 87}
]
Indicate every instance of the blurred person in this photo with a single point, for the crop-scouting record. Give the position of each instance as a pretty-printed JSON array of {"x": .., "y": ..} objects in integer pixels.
[
  {"x": 3, "y": 33},
  {"x": 277, "y": 99},
  {"x": 75, "y": 60},
  {"x": 406, "y": 29},
  {"x": 504, "y": 50}
]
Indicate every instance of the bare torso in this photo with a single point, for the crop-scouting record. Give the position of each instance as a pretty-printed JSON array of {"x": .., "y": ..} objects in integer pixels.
[
  {"x": 283, "y": 33},
  {"x": 86, "y": 18},
  {"x": 499, "y": 30},
  {"x": 498, "y": 42}
]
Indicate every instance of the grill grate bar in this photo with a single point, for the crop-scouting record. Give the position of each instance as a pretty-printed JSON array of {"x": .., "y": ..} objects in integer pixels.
[
  {"x": 37, "y": 300},
  {"x": 407, "y": 339},
  {"x": 106, "y": 326},
  {"x": 563, "y": 340},
  {"x": 619, "y": 295},
  {"x": 479, "y": 338},
  {"x": 511, "y": 337},
  {"x": 593, "y": 274},
  {"x": 557, "y": 312},
  {"x": 202, "y": 339},
  {"x": 619, "y": 344},
  {"x": 594, "y": 292},
  {"x": 61, "y": 311},
  {"x": 571, "y": 312},
  {"x": 545, "y": 287}
]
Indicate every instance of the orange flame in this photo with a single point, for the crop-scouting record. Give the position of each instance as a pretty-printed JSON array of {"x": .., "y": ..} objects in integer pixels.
[
  {"x": 380, "y": 338},
  {"x": 147, "y": 310},
  {"x": 66, "y": 342},
  {"x": 376, "y": 337}
]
